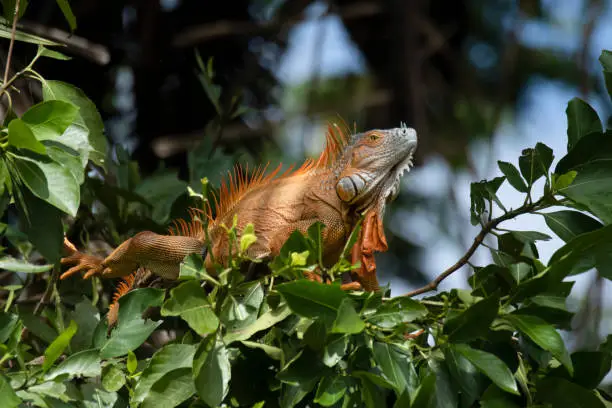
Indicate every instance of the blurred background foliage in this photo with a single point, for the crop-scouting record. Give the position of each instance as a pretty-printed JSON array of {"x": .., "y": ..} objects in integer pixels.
[{"x": 477, "y": 79}]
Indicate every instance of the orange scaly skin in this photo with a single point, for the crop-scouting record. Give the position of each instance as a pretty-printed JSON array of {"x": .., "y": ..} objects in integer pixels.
[{"x": 355, "y": 174}]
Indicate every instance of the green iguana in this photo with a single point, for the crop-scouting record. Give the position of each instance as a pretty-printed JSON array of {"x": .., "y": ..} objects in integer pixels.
[{"x": 354, "y": 175}]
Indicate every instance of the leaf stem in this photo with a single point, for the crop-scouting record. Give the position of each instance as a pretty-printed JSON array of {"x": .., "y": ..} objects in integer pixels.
[
  {"x": 478, "y": 240},
  {"x": 10, "y": 50}
]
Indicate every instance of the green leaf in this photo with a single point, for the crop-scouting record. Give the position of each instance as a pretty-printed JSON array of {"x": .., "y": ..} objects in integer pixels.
[
  {"x": 8, "y": 398},
  {"x": 490, "y": 279},
  {"x": 315, "y": 233},
  {"x": 51, "y": 389},
  {"x": 87, "y": 318},
  {"x": 425, "y": 395},
  {"x": 542, "y": 334},
  {"x": 48, "y": 120},
  {"x": 397, "y": 311},
  {"x": 131, "y": 363},
  {"x": 588, "y": 250},
  {"x": 20, "y": 265},
  {"x": 592, "y": 188},
  {"x": 445, "y": 394},
  {"x": 592, "y": 159},
  {"x": 88, "y": 118},
  {"x": 190, "y": 301},
  {"x": 535, "y": 163},
  {"x": 569, "y": 224},
  {"x": 335, "y": 350},
  {"x": 167, "y": 359},
  {"x": 161, "y": 190},
  {"x": 493, "y": 397},
  {"x": 8, "y": 8},
  {"x": 562, "y": 393},
  {"x": 95, "y": 396},
  {"x": 247, "y": 238},
  {"x": 315, "y": 335},
  {"x": 591, "y": 367},
  {"x": 38, "y": 327},
  {"x": 347, "y": 321},
  {"x": 49, "y": 181},
  {"x": 473, "y": 322},
  {"x": 465, "y": 375},
  {"x": 21, "y": 136},
  {"x": 274, "y": 353},
  {"x": 581, "y": 120},
  {"x": 6, "y": 32},
  {"x": 592, "y": 149},
  {"x": 131, "y": 329},
  {"x": 85, "y": 363},
  {"x": 8, "y": 322},
  {"x": 241, "y": 307},
  {"x": 563, "y": 180},
  {"x": 491, "y": 366},
  {"x": 46, "y": 52},
  {"x": 113, "y": 378},
  {"x": 68, "y": 15},
  {"x": 134, "y": 303},
  {"x": 371, "y": 395},
  {"x": 291, "y": 395},
  {"x": 331, "y": 390},
  {"x": 58, "y": 346},
  {"x": 206, "y": 76},
  {"x": 171, "y": 390},
  {"x": 605, "y": 59},
  {"x": 312, "y": 299},
  {"x": 396, "y": 367},
  {"x": 529, "y": 236},
  {"x": 513, "y": 176},
  {"x": 43, "y": 226},
  {"x": 265, "y": 321},
  {"x": 212, "y": 371},
  {"x": 303, "y": 368},
  {"x": 480, "y": 193},
  {"x": 60, "y": 154},
  {"x": 204, "y": 160}
]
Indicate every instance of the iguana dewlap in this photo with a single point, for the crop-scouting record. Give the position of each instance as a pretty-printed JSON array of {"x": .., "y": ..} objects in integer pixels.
[{"x": 355, "y": 174}]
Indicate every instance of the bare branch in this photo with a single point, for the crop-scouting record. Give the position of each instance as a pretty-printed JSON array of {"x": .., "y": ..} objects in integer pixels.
[
  {"x": 488, "y": 227},
  {"x": 223, "y": 28},
  {"x": 79, "y": 45}
]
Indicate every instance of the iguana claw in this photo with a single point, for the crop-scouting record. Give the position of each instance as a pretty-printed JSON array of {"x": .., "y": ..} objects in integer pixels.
[{"x": 80, "y": 262}]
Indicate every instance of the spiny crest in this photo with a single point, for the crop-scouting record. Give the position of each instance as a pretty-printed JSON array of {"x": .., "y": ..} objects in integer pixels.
[
  {"x": 124, "y": 287},
  {"x": 240, "y": 181},
  {"x": 337, "y": 138},
  {"x": 193, "y": 228}
]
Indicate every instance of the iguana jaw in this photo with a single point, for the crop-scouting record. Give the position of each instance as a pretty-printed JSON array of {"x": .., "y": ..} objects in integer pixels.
[{"x": 391, "y": 191}]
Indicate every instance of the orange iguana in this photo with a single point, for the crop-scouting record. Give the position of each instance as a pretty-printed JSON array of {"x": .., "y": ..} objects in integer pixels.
[{"x": 355, "y": 174}]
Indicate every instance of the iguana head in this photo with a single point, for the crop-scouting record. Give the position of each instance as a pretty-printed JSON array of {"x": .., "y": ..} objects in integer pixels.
[{"x": 372, "y": 165}]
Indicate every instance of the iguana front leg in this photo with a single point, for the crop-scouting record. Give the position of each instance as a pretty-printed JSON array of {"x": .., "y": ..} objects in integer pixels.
[{"x": 161, "y": 254}]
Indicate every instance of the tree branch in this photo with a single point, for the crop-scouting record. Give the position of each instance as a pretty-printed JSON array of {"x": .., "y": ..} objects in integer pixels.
[{"x": 488, "y": 227}]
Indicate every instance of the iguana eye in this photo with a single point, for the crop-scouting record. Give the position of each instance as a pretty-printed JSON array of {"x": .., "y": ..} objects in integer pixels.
[{"x": 374, "y": 137}]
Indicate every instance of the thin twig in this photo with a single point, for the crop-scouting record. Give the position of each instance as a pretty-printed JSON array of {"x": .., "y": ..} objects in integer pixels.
[
  {"x": 488, "y": 227},
  {"x": 10, "y": 50}
]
